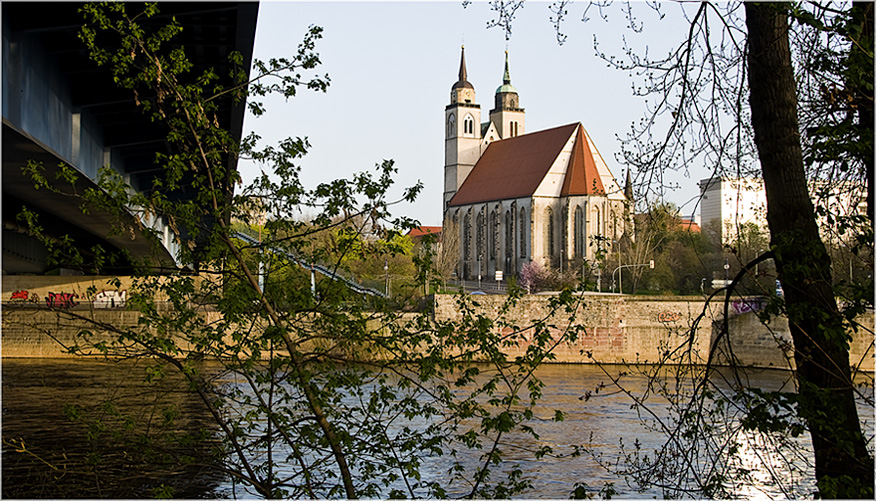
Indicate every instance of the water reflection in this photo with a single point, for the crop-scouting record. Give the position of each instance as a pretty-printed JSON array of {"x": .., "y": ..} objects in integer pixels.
[
  {"x": 599, "y": 417},
  {"x": 79, "y": 445}
]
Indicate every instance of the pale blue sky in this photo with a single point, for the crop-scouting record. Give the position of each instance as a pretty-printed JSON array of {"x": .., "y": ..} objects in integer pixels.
[{"x": 392, "y": 65}]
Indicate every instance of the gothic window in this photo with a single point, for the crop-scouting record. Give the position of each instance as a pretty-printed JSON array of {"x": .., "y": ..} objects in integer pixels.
[
  {"x": 549, "y": 233},
  {"x": 479, "y": 240},
  {"x": 494, "y": 235},
  {"x": 564, "y": 232},
  {"x": 614, "y": 220},
  {"x": 594, "y": 221},
  {"x": 514, "y": 129},
  {"x": 579, "y": 232},
  {"x": 522, "y": 228},
  {"x": 466, "y": 237},
  {"x": 509, "y": 234},
  {"x": 451, "y": 125},
  {"x": 468, "y": 125}
]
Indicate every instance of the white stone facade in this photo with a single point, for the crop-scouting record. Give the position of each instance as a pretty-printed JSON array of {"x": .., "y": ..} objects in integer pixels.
[
  {"x": 564, "y": 196},
  {"x": 728, "y": 203}
]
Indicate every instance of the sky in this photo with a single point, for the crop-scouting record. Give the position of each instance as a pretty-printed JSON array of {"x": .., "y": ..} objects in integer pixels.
[{"x": 392, "y": 65}]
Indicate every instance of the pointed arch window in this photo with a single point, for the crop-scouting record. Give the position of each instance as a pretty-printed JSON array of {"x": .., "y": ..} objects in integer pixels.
[
  {"x": 494, "y": 235},
  {"x": 594, "y": 221},
  {"x": 466, "y": 238},
  {"x": 480, "y": 227},
  {"x": 522, "y": 228},
  {"x": 549, "y": 233},
  {"x": 509, "y": 235},
  {"x": 579, "y": 232},
  {"x": 451, "y": 125},
  {"x": 468, "y": 125}
]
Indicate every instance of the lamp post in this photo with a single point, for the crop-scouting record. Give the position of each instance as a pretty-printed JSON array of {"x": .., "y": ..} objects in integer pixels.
[
  {"x": 261, "y": 222},
  {"x": 386, "y": 275},
  {"x": 312, "y": 274},
  {"x": 759, "y": 252},
  {"x": 599, "y": 279},
  {"x": 649, "y": 264}
]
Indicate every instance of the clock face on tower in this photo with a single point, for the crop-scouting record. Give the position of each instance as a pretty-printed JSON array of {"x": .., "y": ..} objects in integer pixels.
[
  {"x": 453, "y": 97},
  {"x": 467, "y": 94}
]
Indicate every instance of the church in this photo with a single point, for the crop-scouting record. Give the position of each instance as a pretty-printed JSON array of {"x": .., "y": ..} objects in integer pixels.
[{"x": 512, "y": 197}]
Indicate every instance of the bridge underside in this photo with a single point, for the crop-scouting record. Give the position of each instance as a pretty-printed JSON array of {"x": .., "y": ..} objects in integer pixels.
[{"x": 60, "y": 107}]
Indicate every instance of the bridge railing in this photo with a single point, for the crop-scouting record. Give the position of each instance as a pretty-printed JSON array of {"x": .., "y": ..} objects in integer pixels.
[
  {"x": 483, "y": 286},
  {"x": 318, "y": 268}
]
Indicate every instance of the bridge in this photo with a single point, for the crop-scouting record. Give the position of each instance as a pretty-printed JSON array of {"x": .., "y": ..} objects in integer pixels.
[
  {"x": 59, "y": 107},
  {"x": 314, "y": 267}
]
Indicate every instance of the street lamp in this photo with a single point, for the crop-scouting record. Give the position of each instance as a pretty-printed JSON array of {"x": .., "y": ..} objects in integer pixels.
[
  {"x": 759, "y": 252},
  {"x": 649, "y": 264},
  {"x": 386, "y": 275}
]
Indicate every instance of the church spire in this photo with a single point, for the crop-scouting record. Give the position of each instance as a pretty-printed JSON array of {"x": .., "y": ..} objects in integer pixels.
[
  {"x": 463, "y": 76},
  {"x": 506, "y": 87},
  {"x": 507, "y": 114},
  {"x": 462, "y": 91},
  {"x": 628, "y": 190}
]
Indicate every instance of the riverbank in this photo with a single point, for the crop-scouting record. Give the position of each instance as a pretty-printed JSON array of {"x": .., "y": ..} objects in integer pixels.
[
  {"x": 618, "y": 329},
  {"x": 623, "y": 329},
  {"x": 82, "y": 460}
]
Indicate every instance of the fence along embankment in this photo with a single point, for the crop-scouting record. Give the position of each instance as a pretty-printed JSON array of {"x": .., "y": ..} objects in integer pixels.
[{"x": 618, "y": 328}]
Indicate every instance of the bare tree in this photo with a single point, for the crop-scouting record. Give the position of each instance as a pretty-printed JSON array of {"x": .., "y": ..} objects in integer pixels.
[
  {"x": 447, "y": 256},
  {"x": 825, "y": 400},
  {"x": 726, "y": 96}
]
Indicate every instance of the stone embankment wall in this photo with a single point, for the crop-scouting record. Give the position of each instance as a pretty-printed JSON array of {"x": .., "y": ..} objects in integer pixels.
[
  {"x": 617, "y": 329},
  {"x": 666, "y": 329}
]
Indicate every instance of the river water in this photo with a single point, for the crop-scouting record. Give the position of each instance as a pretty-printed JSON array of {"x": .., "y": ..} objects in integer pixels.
[{"x": 37, "y": 408}]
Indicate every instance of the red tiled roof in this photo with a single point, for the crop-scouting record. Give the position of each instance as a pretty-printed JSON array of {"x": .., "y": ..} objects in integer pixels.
[
  {"x": 582, "y": 178},
  {"x": 513, "y": 168},
  {"x": 689, "y": 225},
  {"x": 424, "y": 230}
]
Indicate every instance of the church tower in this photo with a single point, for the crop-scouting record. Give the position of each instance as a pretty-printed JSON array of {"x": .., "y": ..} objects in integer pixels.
[
  {"x": 508, "y": 116},
  {"x": 462, "y": 133}
]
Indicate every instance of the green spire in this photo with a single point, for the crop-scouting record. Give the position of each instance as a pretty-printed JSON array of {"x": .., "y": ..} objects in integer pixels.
[{"x": 506, "y": 79}]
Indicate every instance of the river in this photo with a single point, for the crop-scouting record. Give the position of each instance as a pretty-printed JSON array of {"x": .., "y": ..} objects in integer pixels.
[{"x": 38, "y": 398}]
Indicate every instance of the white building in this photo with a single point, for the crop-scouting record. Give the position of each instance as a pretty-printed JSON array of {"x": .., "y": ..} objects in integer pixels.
[
  {"x": 728, "y": 203},
  {"x": 516, "y": 197}
]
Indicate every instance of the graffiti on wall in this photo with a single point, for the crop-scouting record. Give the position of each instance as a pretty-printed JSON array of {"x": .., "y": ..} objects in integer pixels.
[
  {"x": 668, "y": 316},
  {"x": 104, "y": 299},
  {"x": 62, "y": 300},
  {"x": 110, "y": 299},
  {"x": 748, "y": 306},
  {"x": 24, "y": 297}
]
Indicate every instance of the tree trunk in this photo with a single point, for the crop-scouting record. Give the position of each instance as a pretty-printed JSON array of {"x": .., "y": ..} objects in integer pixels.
[
  {"x": 862, "y": 94},
  {"x": 825, "y": 397}
]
